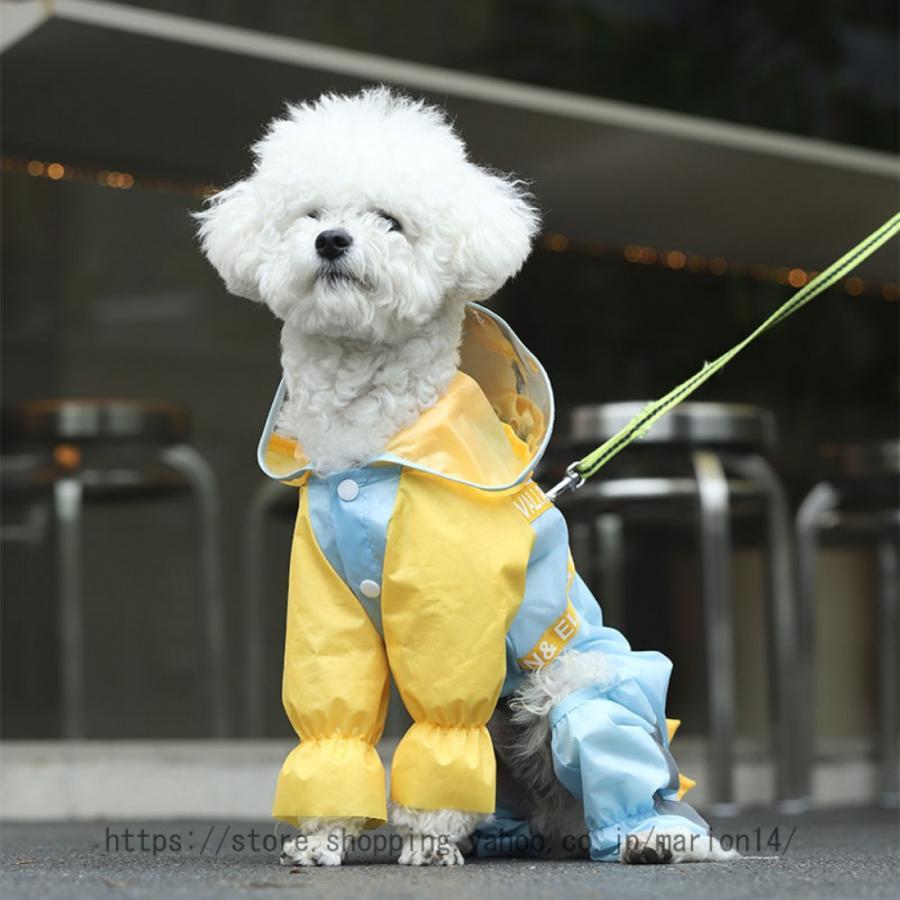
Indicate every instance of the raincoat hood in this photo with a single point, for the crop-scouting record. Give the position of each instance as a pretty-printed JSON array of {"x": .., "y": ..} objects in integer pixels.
[{"x": 488, "y": 430}]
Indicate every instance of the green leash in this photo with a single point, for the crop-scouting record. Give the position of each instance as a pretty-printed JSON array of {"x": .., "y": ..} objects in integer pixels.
[{"x": 579, "y": 471}]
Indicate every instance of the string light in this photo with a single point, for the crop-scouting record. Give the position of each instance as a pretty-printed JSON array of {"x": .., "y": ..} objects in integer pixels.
[
  {"x": 696, "y": 262},
  {"x": 678, "y": 260},
  {"x": 674, "y": 259},
  {"x": 854, "y": 286},
  {"x": 557, "y": 242},
  {"x": 108, "y": 178}
]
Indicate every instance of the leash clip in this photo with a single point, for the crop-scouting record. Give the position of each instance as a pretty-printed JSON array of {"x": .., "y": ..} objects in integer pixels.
[{"x": 573, "y": 480}]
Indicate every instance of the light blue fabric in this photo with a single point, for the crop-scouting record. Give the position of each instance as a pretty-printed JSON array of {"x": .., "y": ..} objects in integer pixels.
[
  {"x": 545, "y": 600},
  {"x": 353, "y": 533},
  {"x": 608, "y": 752},
  {"x": 504, "y": 834},
  {"x": 609, "y": 740},
  {"x": 545, "y": 592}
]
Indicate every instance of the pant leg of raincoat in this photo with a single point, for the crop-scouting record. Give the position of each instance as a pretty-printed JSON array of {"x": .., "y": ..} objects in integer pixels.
[
  {"x": 454, "y": 575},
  {"x": 610, "y": 749},
  {"x": 335, "y": 692}
]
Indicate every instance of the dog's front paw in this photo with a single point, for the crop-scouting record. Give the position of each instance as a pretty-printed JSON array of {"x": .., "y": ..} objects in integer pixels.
[
  {"x": 427, "y": 850},
  {"x": 676, "y": 845},
  {"x": 312, "y": 850}
]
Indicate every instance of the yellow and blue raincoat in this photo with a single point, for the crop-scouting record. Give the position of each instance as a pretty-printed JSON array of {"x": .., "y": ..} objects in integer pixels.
[{"x": 442, "y": 564}]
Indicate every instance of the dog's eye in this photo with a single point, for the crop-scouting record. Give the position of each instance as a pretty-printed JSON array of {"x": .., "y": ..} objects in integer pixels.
[
  {"x": 393, "y": 224},
  {"x": 314, "y": 214}
]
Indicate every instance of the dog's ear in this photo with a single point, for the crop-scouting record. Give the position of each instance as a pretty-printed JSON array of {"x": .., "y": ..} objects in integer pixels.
[
  {"x": 230, "y": 230},
  {"x": 500, "y": 222}
]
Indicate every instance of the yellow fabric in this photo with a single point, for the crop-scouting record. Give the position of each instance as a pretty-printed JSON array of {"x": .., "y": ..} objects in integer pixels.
[
  {"x": 335, "y": 692},
  {"x": 462, "y": 436},
  {"x": 684, "y": 783},
  {"x": 446, "y": 607},
  {"x": 508, "y": 375},
  {"x": 459, "y": 436},
  {"x": 281, "y": 458},
  {"x": 522, "y": 416}
]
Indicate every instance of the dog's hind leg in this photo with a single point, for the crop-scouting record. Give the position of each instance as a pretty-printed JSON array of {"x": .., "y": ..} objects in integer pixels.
[
  {"x": 609, "y": 746},
  {"x": 527, "y": 782}
]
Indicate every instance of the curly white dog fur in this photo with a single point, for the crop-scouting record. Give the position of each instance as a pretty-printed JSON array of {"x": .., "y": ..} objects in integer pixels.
[{"x": 366, "y": 229}]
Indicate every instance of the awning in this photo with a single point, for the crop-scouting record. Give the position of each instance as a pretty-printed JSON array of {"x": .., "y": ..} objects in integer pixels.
[{"x": 115, "y": 86}]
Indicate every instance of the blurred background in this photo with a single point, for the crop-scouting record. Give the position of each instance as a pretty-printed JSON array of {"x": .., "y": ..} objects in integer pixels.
[{"x": 695, "y": 162}]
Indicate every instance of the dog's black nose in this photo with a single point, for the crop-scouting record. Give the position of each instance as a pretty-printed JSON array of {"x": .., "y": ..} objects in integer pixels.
[{"x": 333, "y": 243}]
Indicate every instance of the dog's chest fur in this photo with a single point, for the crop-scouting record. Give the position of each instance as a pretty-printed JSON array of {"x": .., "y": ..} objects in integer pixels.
[{"x": 346, "y": 399}]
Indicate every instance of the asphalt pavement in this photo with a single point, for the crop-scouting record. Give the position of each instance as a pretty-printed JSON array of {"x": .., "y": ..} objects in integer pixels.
[{"x": 836, "y": 854}]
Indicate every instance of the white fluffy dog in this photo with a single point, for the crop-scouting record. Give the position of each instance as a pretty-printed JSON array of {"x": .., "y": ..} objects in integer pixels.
[
  {"x": 366, "y": 230},
  {"x": 367, "y": 245}
]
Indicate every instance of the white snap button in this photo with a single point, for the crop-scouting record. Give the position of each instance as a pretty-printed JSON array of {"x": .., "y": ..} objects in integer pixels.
[
  {"x": 348, "y": 489},
  {"x": 370, "y": 589}
]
